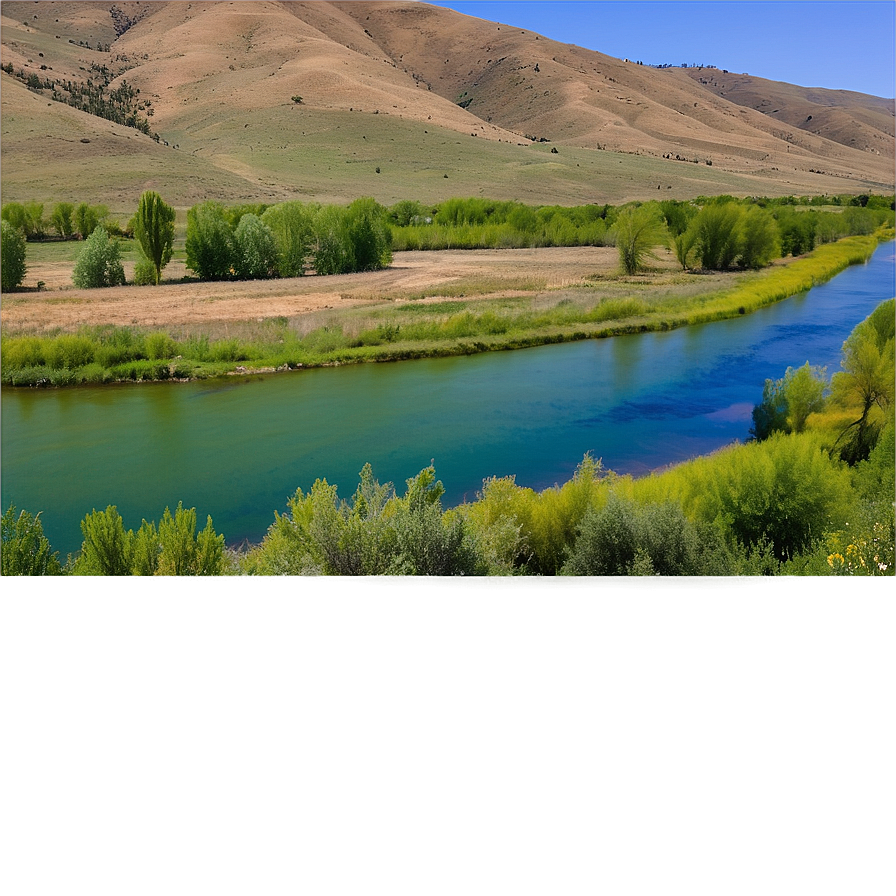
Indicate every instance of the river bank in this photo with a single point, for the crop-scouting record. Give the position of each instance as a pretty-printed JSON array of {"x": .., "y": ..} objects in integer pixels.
[{"x": 486, "y": 301}]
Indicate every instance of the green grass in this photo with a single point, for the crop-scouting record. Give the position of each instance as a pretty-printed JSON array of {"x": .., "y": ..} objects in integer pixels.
[{"x": 392, "y": 332}]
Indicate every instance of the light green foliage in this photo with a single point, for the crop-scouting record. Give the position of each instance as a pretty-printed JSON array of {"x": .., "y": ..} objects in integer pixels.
[
  {"x": 25, "y": 549},
  {"x": 256, "y": 254},
  {"x": 108, "y": 549},
  {"x": 804, "y": 392},
  {"x": 552, "y": 523},
  {"x": 62, "y": 219},
  {"x": 715, "y": 231},
  {"x": 182, "y": 552},
  {"x": 88, "y": 217},
  {"x": 292, "y": 226},
  {"x": 785, "y": 491},
  {"x": 210, "y": 242},
  {"x": 145, "y": 273},
  {"x": 369, "y": 235},
  {"x": 154, "y": 230},
  {"x": 333, "y": 252},
  {"x": 12, "y": 257},
  {"x": 99, "y": 263},
  {"x": 406, "y": 212},
  {"x": 172, "y": 549},
  {"x": 14, "y": 215},
  {"x": 759, "y": 242},
  {"x": 683, "y": 245},
  {"x": 496, "y": 520},
  {"x": 867, "y": 380},
  {"x": 639, "y": 229}
]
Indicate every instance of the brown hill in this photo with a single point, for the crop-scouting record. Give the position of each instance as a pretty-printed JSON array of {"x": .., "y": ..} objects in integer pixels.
[{"x": 333, "y": 100}]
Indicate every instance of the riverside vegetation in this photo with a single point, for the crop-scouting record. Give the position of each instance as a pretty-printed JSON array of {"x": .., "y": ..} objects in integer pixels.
[
  {"x": 811, "y": 494},
  {"x": 289, "y": 239}
]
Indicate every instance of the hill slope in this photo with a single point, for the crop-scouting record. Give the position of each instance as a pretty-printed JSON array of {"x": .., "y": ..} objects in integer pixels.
[{"x": 269, "y": 100}]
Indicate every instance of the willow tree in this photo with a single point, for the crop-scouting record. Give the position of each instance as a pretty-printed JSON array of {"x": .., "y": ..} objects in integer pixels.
[
  {"x": 639, "y": 229},
  {"x": 154, "y": 230}
]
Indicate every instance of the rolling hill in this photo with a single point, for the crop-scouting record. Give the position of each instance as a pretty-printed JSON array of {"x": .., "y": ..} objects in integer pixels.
[{"x": 261, "y": 101}]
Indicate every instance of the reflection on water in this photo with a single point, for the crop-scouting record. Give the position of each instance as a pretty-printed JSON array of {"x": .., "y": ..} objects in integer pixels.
[{"x": 236, "y": 449}]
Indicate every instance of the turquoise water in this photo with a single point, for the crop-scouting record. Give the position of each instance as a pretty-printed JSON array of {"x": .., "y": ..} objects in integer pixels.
[{"x": 236, "y": 449}]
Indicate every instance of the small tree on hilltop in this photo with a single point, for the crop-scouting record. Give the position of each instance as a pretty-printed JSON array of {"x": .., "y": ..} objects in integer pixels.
[
  {"x": 154, "y": 230},
  {"x": 12, "y": 246},
  {"x": 99, "y": 263}
]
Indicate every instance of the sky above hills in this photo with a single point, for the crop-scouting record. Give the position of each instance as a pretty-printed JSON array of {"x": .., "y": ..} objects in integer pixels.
[{"x": 814, "y": 43}]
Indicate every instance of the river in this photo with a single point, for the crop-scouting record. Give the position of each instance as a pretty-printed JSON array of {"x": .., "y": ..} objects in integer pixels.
[{"x": 236, "y": 449}]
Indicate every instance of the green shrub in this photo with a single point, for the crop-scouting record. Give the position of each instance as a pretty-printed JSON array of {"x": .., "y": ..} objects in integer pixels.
[
  {"x": 144, "y": 272},
  {"x": 25, "y": 549},
  {"x": 99, "y": 263},
  {"x": 12, "y": 257},
  {"x": 159, "y": 346},
  {"x": 256, "y": 256},
  {"x": 210, "y": 242},
  {"x": 292, "y": 226},
  {"x": 69, "y": 351}
]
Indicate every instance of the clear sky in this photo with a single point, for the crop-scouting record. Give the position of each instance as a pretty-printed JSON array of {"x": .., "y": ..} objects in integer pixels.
[{"x": 841, "y": 44}]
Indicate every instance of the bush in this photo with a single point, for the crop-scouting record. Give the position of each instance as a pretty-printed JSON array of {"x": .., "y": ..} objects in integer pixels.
[
  {"x": 638, "y": 231},
  {"x": 292, "y": 226},
  {"x": 256, "y": 255},
  {"x": 99, "y": 263},
  {"x": 12, "y": 262},
  {"x": 144, "y": 272},
  {"x": 715, "y": 235},
  {"x": 69, "y": 351},
  {"x": 210, "y": 242},
  {"x": 25, "y": 549}
]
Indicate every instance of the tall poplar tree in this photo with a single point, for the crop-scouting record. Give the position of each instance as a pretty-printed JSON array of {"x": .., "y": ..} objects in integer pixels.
[{"x": 154, "y": 229}]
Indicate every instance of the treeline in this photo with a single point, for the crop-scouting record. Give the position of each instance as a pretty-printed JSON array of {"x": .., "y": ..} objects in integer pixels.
[
  {"x": 713, "y": 233},
  {"x": 252, "y": 242},
  {"x": 67, "y": 220},
  {"x": 811, "y": 497}
]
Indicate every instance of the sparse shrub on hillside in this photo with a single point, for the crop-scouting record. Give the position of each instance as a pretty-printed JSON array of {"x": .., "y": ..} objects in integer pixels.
[
  {"x": 99, "y": 263},
  {"x": 12, "y": 262},
  {"x": 210, "y": 242}
]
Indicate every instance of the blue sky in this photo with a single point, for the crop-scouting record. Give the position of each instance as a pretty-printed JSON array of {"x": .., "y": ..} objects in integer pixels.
[{"x": 841, "y": 44}]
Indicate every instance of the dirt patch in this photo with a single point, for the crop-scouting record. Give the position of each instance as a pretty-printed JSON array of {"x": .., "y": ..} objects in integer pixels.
[{"x": 192, "y": 303}]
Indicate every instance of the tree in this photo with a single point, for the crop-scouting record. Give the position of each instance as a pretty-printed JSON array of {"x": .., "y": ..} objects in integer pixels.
[
  {"x": 12, "y": 257},
  {"x": 804, "y": 391},
  {"x": 99, "y": 263},
  {"x": 108, "y": 549},
  {"x": 638, "y": 231},
  {"x": 867, "y": 379},
  {"x": 88, "y": 217},
  {"x": 210, "y": 243},
  {"x": 758, "y": 238},
  {"x": 26, "y": 551},
  {"x": 62, "y": 219},
  {"x": 292, "y": 226},
  {"x": 333, "y": 252},
  {"x": 715, "y": 235},
  {"x": 256, "y": 249},
  {"x": 154, "y": 230},
  {"x": 369, "y": 235}
]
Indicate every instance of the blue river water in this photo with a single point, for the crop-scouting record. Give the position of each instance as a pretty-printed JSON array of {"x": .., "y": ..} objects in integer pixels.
[{"x": 236, "y": 449}]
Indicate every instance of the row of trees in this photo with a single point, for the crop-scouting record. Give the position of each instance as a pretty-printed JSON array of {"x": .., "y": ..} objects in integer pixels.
[
  {"x": 67, "y": 221},
  {"x": 251, "y": 243}
]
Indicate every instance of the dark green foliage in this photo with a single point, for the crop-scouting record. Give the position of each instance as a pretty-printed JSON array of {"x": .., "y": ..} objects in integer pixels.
[
  {"x": 256, "y": 256},
  {"x": 99, "y": 263},
  {"x": 677, "y": 215},
  {"x": 210, "y": 242},
  {"x": 154, "y": 230},
  {"x": 624, "y": 538},
  {"x": 797, "y": 230},
  {"x": 25, "y": 550},
  {"x": 12, "y": 257},
  {"x": 405, "y": 212}
]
